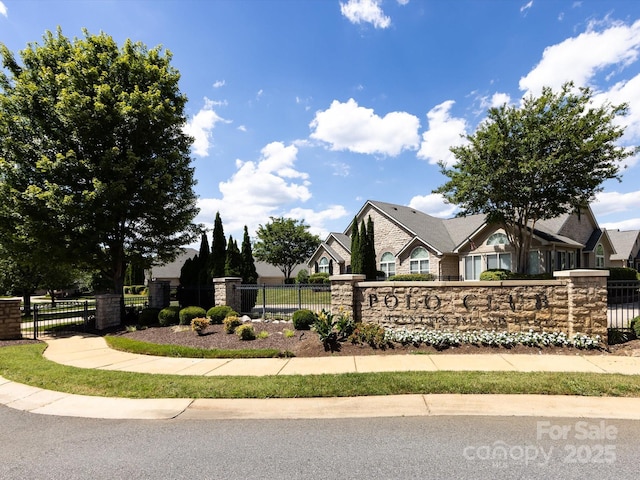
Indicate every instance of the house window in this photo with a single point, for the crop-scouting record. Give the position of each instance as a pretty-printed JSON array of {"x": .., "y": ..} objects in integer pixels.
[
  {"x": 499, "y": 260},
  {"x": 599, "y": 256},
  {"x": 572, "y": 259},
  {"x": 419, "y": 262},
  {"x": 498, "y": 239},
  {"x": 388, "y": 264},
  {"x": 534, "y": 262},
  {"x": 561, "y": 260},
  {"x": 323, "y": 265},
  {"x": 472, "y": 267}
]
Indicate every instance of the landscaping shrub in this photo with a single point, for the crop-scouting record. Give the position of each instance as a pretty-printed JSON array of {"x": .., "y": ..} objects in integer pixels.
[
  {"x": 231, "y": 323},
  {"x": 412, "y": 277},
  {"x": 169, "y": 316},
  {"x": 148, "y": 316},
  {"x": 323, "y": 326},
  {"x": 623, "y": 273},
  {"x": 199, "y": 324},
  {"x": 303, "y": 319},
  {"x": 219, "y": 313},
  {"x": 320, "y": 277},
  {"x": 494, "y": 274},
  {"x": 302, "y": 277},
  {"x": 246, "y": 332},
  {"x": 635, "y": 326},
  {"x": 189, "y": 313},
  {"x": 370, "y": 334}
]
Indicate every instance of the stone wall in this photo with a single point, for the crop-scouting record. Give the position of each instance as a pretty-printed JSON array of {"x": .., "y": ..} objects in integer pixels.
[
  {"x": 576, "y": 302},
  {"x": 10, "y": 319}
]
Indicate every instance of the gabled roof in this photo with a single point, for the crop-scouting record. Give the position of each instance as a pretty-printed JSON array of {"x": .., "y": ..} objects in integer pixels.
[
  {"x": 624, "y": 242},
  {"x": 429, "y": 230},
  {"x": 342, "y": 239},
  {"x": 172, "y": 269}
]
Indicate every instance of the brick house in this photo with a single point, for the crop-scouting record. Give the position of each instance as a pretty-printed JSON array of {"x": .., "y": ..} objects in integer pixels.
[{"x": 410, "y": 241}]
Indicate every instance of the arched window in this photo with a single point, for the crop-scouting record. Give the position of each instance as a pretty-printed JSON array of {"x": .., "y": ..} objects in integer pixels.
[
  {"x": 388, "y": 264},
  {"x": 323, "y": 265},
  {"x": 498, "y": 239},
  {"x": 599, "y": 256},
  {"x": 419, "y": 261}
]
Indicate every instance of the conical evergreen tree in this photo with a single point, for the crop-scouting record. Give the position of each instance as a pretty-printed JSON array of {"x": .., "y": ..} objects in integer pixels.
[
  {"x": 372, "y": 266},
  {"x": 362, "y": 248},
  {"x": 218, "y": 249},
  {"x": 233, "y": 261},
  {"x": 356, "y": 262},
  {"x": 248, "y": 270},
  {"x": 204, "y": 275}
]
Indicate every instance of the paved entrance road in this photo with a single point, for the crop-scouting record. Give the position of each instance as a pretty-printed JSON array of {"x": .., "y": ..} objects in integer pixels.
[{"x": 49, "y": 447}]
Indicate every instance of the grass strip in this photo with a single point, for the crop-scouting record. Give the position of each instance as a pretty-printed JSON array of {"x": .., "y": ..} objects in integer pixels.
[
  {"x": 145, "y": 348},
  {"x": 25, "y": 364}
]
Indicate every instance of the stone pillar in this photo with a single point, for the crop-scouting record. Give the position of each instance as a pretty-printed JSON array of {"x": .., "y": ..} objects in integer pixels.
[
  {"x": 10, "y": 320},
  {"x": 587, "y": 301},
  {"x": 159, "y": 293},
  {"x": 226, "y": 293},
  {"x": 108, "y": 310},
  {"x": 343, "y": 294}
]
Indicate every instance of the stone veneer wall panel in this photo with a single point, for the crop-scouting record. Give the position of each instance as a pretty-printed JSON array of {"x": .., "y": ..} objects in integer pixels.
[{"x": 10, "y": 320}]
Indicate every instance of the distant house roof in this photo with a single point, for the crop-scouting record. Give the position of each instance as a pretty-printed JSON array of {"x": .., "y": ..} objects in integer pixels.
[
  {"x": 172, "y": 269},
  {"x": 625, "y": 242}
]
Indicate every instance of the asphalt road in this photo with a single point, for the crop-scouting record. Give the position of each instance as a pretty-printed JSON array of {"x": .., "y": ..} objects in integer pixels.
[{"x": 48, "y": 447}]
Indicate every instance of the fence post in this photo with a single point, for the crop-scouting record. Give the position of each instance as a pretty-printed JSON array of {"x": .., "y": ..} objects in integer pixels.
[
  {"x": 226, "y": 293},
  {"x": 35, "y": 321},
  {"x": 10, "y": 319},
  {"x": 264, "y": 300}
]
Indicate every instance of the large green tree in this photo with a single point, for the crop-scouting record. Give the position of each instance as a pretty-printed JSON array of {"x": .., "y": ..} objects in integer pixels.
[
  {"x": 536, "y": 161},
  {"x": 248, "y": 270},
  {"x": 285, "y": 243},
  {"x": 91, "y": 144}
]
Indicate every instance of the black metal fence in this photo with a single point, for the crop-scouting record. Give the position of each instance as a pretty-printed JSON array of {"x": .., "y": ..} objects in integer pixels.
[
  {"x": 54, "y": 319},
  {"x": 280, "y": 301},
  {"x": 623, "y": 305}
]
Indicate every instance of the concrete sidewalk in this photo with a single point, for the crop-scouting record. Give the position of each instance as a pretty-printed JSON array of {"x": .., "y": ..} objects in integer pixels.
[{"x": 92, "y": 352}]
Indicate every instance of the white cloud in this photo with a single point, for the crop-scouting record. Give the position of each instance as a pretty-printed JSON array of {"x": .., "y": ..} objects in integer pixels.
[
  {"x": 607, "y": 203},
  {"x": 258, "y": 190},
  {"x": 347, "y": 126},
  {"x": 578, "y": 59},
  {"x": 433, "y": 204},
  {"x": 219, "y": 83},
  {"x": 444, "y": 132},
  {"x": 526, "y": 6},
  {"x": 318, "y": 220},
  {"x": 631, "y": 224},
  {"x": 365, "y": 11},
  {"x": 3, "y": 10},
  {"x": 200, "y": 127}
]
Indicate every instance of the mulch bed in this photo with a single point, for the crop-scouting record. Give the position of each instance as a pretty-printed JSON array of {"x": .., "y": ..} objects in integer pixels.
[{"x": 307, "y": 344}]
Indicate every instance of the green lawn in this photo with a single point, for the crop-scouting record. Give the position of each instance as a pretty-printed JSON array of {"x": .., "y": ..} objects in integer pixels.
[{"x": 25, "y": 364}]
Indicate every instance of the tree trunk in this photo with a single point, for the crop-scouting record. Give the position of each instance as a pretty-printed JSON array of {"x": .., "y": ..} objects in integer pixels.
[{"x": 26, "y": 302}]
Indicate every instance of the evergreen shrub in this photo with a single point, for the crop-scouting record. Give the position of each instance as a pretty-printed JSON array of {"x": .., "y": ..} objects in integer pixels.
[
  {"x": 189, "y": 313},
  {"x": 169, "y": 316},
  {"x": 303, "y": 319},
  {"x": 219, "y": 313}
]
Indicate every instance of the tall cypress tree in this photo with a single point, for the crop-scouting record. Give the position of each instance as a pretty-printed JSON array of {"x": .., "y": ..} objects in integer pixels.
[
  {"x": 370, "y": 255},
  {"x": 362, "y": 248},
  {"x": 233, "y": 260},
  {"x": 204, "y": 276},
  {"x": 356, "y": 263},
  {"x": 248, "y": 270},
  {"x": 218, "y": 249}
]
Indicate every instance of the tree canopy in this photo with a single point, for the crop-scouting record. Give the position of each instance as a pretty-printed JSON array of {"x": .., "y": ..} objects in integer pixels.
[
  {"x": 285, "y": 243},
  {"x": 545, "y": 158},
  {"x": 92, "y": 146}
]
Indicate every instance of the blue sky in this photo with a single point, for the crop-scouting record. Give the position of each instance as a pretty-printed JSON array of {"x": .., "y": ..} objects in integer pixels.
[{"x": 307, "y": 108}]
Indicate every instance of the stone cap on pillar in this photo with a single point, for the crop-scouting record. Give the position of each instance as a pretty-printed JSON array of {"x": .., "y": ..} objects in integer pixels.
[{"x": 581, "y": 273}]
